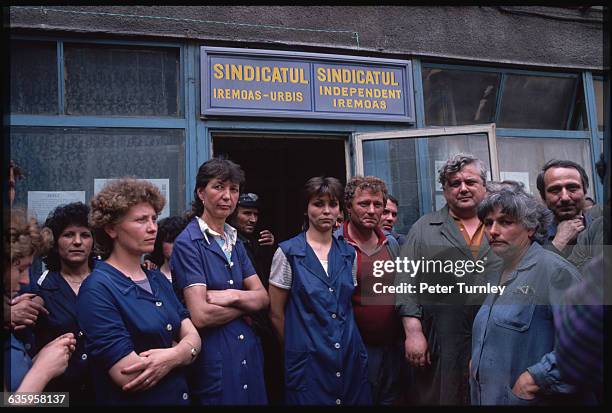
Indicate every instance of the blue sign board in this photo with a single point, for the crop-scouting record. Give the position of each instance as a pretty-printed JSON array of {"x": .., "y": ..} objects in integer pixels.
[{"x": 244, "y": 82}]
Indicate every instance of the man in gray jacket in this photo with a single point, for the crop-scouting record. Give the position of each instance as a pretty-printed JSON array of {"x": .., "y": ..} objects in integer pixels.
[{"x": 437, "y": 317}]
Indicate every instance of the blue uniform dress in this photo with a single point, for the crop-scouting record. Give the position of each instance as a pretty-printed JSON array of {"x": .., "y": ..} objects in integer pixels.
[
  {"x": 229, "y": 369},
  {"x": 118, "y": 317},
  {"x": 17, "y": 362},
  {"x": 61, "y": 302},
  {"x": 325, "y": 358}
]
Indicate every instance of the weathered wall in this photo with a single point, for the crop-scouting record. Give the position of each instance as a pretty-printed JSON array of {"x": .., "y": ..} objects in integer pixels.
[{"x": 538, "y": 36}]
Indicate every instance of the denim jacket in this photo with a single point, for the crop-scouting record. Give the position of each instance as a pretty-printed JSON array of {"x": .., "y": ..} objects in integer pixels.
[{"x": 514, "y": 332}]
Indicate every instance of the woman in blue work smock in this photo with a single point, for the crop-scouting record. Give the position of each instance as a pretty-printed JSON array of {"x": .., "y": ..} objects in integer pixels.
[
  {"x": 138, "y": 336},
  {"x": 311, "y": 283},
  {"x": 212, "y": 273},
  {"x": 69, "y": 262}
]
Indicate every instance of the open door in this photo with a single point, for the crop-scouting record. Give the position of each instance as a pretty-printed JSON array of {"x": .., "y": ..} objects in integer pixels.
[{"x": 408, "y": 161}]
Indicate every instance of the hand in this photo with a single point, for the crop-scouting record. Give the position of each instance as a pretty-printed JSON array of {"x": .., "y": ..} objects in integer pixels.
[
  {"x": 266, "y": 238},
  {"x": 567, "y": 231},
  {"x": 149, "y": 265},
  {"x": 525, "y": 387},
  {"x": 223, "y": 298},
  {"x": 25, "y": 310},
  {"x": 415, "y": 347},
  {"x": 53, "y": 358},
  {"x": 154, "y": 365}
]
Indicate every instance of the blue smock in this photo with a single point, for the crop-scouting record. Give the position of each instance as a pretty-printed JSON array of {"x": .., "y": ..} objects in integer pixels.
[
  {"x": 325, "y": 358},
  {"x": 61, "y": 302},
  {"x": 17, "y": 362},
  {"x": 118, "y": 317},
  {"x": 229, "y": 369}
]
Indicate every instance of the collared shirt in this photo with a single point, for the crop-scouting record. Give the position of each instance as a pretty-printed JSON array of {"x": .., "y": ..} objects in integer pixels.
[
  {"x": 474, "y": 241},
  {"x": 226, "y": 241}
]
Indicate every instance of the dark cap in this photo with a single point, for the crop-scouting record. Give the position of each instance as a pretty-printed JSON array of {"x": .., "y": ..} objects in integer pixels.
[{"x": 249, "y": 200}]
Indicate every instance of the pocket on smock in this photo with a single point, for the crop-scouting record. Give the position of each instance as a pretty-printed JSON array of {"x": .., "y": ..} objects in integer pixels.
[
  {"x": 295, "y": 370},
  {"x": 514, "y": 400},
  {"x": 514, "y": 316}
]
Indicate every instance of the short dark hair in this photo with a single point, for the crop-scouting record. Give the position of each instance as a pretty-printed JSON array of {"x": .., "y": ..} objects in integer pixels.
[
  {"x": 58, "y": 220},
  {"x": 167, "y": 230},
  {"x": 392, "y": 199},
  {"x": 322, "y": 185},
  {"x": 219, "y": 167},
  {"x": 561, "y": 163}
]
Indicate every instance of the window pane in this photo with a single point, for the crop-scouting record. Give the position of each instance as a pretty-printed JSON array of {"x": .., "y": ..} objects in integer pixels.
[
  {"x": 33, "y": 78},
  {"x": 394, "y": 161},
  {"x": 537, "y": 102},
  {"x": 599, "y": 103},
  {"x": 456, "y": 97},
  {"x": 121, "y": 80},
  {"x": 534, "y": 153},
  {"x": 69, "y": 159},
  {"x": 441, "y": 148}
]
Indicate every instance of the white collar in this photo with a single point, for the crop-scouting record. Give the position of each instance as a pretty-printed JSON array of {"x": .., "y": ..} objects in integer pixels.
[{"x": 230, "y": 232}]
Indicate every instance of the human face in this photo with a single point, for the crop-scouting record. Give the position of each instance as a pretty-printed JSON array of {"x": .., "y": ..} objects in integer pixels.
[
  {"x": 219, "y": 198},
  {"x": 366, "y": 208},
  {"x": 563, "y": 192},
  {"x": 246, "y": 220},
  {"x": 464, "y": 190},
  {"x": 135, "y": 233},
  {"x": 323, "y": 212},
  {"x": 508, "y": 237},
  {"x": 389, "y": 216},
  {"x": 167, "y": 249},
  {"x": 18, "y": 274},
  {"x": 74, "y": 245}
]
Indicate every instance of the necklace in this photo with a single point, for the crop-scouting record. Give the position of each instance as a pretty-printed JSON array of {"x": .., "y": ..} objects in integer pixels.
[{"x": 74, "y": 282}]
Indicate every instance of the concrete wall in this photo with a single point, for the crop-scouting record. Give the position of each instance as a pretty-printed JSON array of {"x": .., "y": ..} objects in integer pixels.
[{"x": 525, "y": 35}]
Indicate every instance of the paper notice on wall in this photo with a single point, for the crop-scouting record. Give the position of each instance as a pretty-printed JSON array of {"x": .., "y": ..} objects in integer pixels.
[
  {"x": 162, "y": 184},
  {"x": 440, "y": 201},
  {"x": 40, "y": 203},
  {"x": 518, "y": 177},
  {"x": 438, "y": 166}
]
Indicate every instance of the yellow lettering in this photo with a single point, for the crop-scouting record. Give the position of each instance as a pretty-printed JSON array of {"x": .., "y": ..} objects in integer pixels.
[
  {"x": 383, "y": 104},
  {"x": 321, "y": 74},
  {"x": 265, "y": 74},
  {"x": 276, "y": 76},
  {"x": 218, "y": 71},
  {"x": 393, "y": 81},
  {"x": 360, "y": 77},
  {"x": 236, "y": 72},
  {"x": 249, "y": 73},
  {"x": 336, "y": 76}
]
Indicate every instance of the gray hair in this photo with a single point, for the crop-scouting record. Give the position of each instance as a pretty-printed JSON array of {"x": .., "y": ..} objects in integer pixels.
[
  {"x": 522, "y": 207},
  {"x": 493, "y": 186},
  {"x": 457, "y": 162}
]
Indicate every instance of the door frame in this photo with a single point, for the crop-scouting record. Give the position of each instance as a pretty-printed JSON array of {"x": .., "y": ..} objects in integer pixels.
[{"x": 489, "y": 129}]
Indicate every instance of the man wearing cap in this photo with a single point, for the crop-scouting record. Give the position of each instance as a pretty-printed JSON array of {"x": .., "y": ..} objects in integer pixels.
[{"x": 260, "y": 249}]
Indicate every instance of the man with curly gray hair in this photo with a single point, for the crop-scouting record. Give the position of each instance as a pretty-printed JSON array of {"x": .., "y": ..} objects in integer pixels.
[{"x": 438, "y": 327}]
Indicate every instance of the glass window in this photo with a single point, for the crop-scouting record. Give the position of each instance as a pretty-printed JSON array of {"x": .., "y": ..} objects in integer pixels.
[
  {"x": 457, "y": 97},
  {"x": 538, "y": 102},
  {"x": 534, "y": 153},
  {"x": 33, "y": 78},
  {"x": 394, "y": 161},
  {"x": 599, "y": 103},
  {"x": 70, "y": 159},
  {"x": 441, "y": 148},
  {"x": 121, "y": 80}
]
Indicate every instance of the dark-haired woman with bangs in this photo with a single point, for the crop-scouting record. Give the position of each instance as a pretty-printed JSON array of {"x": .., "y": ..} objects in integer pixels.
[
  {"x": 311, "y": 284},
  {"x": 69, "y": 262}
]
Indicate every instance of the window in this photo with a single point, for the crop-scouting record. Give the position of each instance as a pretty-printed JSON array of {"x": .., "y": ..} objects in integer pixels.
[
  {"x": 70, "y": 159},
  {"x": 458, "y": 97},
  {"x": 599, "y": 103},
  {"x": 534, "y": 153},
  {"x": 112, "y": 80},
  {"x": 537, "y": 102},
  {"x": 33, "y": 78}
]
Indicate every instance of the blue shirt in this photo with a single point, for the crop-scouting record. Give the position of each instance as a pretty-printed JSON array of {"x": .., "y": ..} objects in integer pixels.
[
  {"x": 61, "y": 302},
  {"x": 229, "y": 369},
  {"x": 118, "y": 317},
  {"x": 17, "y": 362},
  {"x": 514, "y": 332}
]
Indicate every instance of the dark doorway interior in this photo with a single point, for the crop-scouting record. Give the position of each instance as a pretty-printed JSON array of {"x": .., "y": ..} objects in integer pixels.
[{"x": 276, "y": 169}]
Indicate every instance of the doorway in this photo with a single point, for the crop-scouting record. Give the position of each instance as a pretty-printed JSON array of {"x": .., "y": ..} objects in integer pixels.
[{"x": 276, "y": 169}]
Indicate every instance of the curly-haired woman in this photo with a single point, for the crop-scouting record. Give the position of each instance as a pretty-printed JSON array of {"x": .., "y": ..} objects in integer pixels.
[{"x": 137, "y": 334}]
